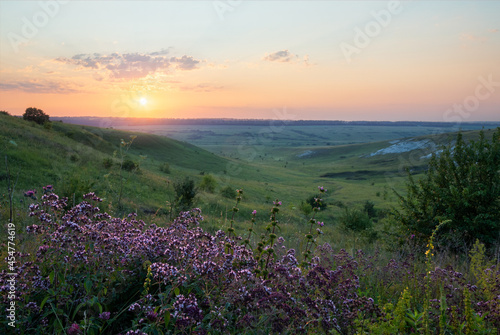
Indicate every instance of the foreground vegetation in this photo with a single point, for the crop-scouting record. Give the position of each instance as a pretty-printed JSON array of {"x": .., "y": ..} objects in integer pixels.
[{"x": 90, "y": 273}]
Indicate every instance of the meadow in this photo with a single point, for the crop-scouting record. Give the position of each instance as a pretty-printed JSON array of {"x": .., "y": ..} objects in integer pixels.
[{"x": 101, "y": 241}]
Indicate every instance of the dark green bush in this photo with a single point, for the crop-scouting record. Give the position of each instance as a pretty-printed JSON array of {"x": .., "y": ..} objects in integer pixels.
[
  {"x": 355, "y": 220},
  {"x": 107, "y": 163},
  {"x": 462, "y": 185},
  {"x": 369, "y": 209},
  {"x": 129, "y": 165},
  {"x": 228, "y": 192},
  {"x": 184, "y": 193}
]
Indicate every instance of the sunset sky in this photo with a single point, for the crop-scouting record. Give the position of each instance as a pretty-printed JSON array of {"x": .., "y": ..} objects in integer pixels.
[{"x": 331, "y": 60}]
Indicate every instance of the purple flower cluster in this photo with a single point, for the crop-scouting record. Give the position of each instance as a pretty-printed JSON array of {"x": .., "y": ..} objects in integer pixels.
[
  {"x": 183, "y": 278},
  {"x": 30, "y": 194}
]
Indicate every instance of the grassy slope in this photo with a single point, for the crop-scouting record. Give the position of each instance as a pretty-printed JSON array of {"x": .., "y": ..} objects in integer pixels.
[{"x": 70, "y": 157}]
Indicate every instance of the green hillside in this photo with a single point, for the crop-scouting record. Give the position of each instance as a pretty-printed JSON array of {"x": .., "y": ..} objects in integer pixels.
[{"x": 73, "y": 157}]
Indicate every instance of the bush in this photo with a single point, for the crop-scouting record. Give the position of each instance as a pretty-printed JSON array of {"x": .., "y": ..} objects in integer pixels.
[
  {"x": 355, "y": 220},
  {"x": 107, "y": 163},
  {"x": 462, "y": 186},
  {"x": 129, "y": 165},
  {"x": 306, "y": 208},
  {"x": 369, "y": 209},
  {"x": 208, "y": 184},
  {"x": 228, "y": 192},
  {"x": 165, "y": 168},
  {"x": 4, "y": 113},
  {"x": 36, "y": 115},
  {"x": 184, "y": 193}
]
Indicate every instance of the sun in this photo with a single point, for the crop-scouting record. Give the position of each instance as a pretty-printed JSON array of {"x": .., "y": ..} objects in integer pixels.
[{"x": 143, "y": 101}]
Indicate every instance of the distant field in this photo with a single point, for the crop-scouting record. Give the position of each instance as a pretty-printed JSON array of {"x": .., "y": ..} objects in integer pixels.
[{"x": 235, "y": 140}]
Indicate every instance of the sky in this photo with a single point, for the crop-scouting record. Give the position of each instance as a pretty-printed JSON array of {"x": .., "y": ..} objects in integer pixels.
[{"x": 321, "y": 60}]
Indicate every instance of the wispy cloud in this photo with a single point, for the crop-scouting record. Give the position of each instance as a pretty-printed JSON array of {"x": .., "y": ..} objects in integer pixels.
[
  {"x": 38, "y": 86},
  {"x": 282, "y": 56},
  {"x": 185, "y": 62},
  {"x": 285, "y": 56},
  {"x": 130, "y": 65}
]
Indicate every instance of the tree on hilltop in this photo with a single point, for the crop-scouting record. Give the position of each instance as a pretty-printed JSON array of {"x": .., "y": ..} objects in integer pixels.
[{"x": 36, "y": 115}]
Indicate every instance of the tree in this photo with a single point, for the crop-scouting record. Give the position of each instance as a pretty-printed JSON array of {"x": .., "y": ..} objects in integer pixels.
[
  {"x": 36, "y": 115},
  {"x": 461, "y": 187},
  {"x": 184, "y": 193}
]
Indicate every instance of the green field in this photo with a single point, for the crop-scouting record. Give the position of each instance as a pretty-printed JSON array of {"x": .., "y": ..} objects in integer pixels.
[
  {"x": 268, "y": 140},
  {"x": 286, "y": 162}
]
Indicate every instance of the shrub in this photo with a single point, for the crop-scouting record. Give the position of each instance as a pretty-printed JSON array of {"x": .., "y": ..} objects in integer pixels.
[
  {"x": 107, "y": 163},
  {"x": 165, "y": 168},
  {"x": 36, "y": 115},
  {"x": 184, "y": 193},
  {"x": 355, "y": 220},
  {"x": 129, "y": 165},
  {"x": 461, "y": 185},
  {"x": 228, "y": 192},
  {"x": 208, "y": 183},
  {"x": 74, "y": 158},
  {"x": 369, "y": 209},
  {"x": 4, "y": 113},
  {"x": 306, "y": 208}
]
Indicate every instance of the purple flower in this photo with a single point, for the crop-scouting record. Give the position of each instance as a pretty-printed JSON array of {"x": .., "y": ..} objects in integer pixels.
[
  {"x": 74, "y": 329},
  {"x": 151, "y": 316},
  {"x": 30, "y": 194},
  {"x": 321, "y": 224},
  {"x": 322, "y": 189},
  {"x": 104, "y": 315},
  {"x": 412, "y": 236},
  {"x": 254, "y": 212}
]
